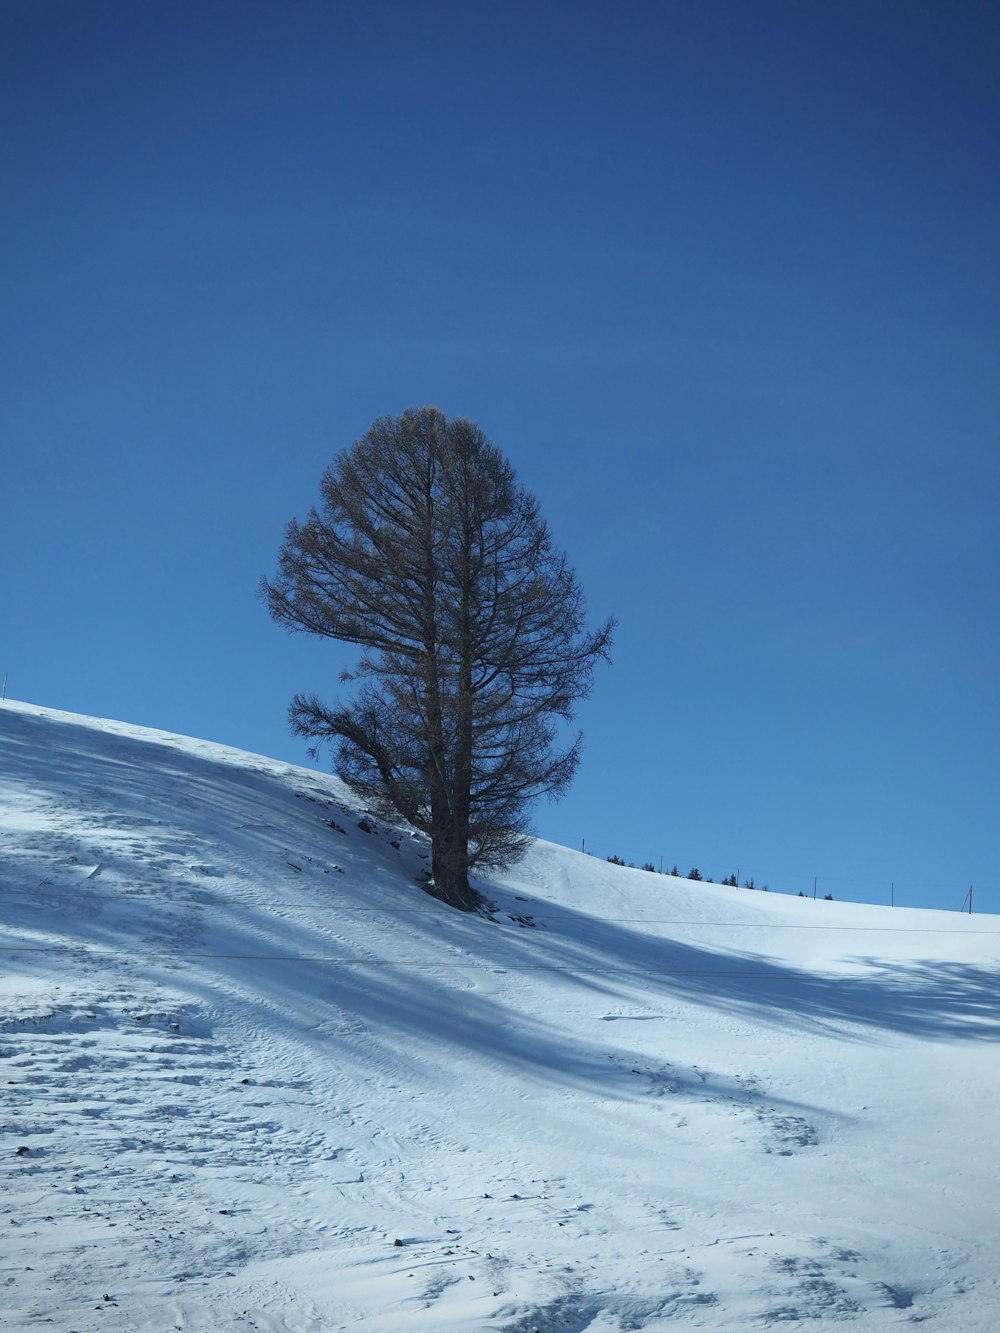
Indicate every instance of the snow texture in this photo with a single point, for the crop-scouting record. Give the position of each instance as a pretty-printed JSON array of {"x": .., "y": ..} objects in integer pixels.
[{"x": 254, "y": 1078}]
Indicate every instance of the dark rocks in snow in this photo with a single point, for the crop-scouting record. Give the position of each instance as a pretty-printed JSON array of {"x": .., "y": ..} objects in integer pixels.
[{"x": 521, "y": 919}]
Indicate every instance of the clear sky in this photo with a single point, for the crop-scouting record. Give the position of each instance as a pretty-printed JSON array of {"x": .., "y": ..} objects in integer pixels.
[{"x": 719, "y": 278}]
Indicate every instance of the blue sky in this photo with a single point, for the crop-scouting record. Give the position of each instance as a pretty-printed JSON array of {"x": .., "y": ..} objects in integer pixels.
[{"x": 719, "y": 278}]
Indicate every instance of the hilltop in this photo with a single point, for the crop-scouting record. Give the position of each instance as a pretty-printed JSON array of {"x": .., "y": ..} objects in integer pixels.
[{"x": 255, "y": 1078}]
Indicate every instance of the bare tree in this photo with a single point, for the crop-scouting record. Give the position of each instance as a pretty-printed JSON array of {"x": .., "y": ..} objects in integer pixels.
[{"x": 427, "y": 553}]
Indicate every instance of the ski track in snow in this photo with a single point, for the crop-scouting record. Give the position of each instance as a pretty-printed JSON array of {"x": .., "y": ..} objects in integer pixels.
[{"x": 254, "y": 1078}]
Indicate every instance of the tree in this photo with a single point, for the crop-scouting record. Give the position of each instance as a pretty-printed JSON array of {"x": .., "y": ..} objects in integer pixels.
[{"x": 427, "y": 554}]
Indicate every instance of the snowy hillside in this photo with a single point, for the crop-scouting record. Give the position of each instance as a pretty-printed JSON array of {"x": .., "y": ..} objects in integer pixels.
[{"x": 254, "y": 1078}]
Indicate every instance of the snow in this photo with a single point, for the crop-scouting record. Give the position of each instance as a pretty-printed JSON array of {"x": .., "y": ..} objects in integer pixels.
[{"x": 255, "y": 1078}]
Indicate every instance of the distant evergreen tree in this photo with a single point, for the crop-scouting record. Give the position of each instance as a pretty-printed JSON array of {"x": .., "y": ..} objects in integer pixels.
[{"x": 693, "y": 873}]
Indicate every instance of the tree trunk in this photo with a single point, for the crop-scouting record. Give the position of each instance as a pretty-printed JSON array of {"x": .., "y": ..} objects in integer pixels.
[
  {"x": 450, "y": 871},
  {"x": 449, "y": 825}
]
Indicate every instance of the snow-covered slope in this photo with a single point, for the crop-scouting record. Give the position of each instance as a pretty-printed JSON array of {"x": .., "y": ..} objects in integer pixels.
[{"x": 254, "y": 1078}]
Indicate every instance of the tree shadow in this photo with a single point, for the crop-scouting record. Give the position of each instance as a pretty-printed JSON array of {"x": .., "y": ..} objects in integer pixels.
[{"x": 931, "y": 998}]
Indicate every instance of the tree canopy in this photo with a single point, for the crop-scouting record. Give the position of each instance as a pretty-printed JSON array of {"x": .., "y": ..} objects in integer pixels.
[{"x": 427, "y": 553}]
